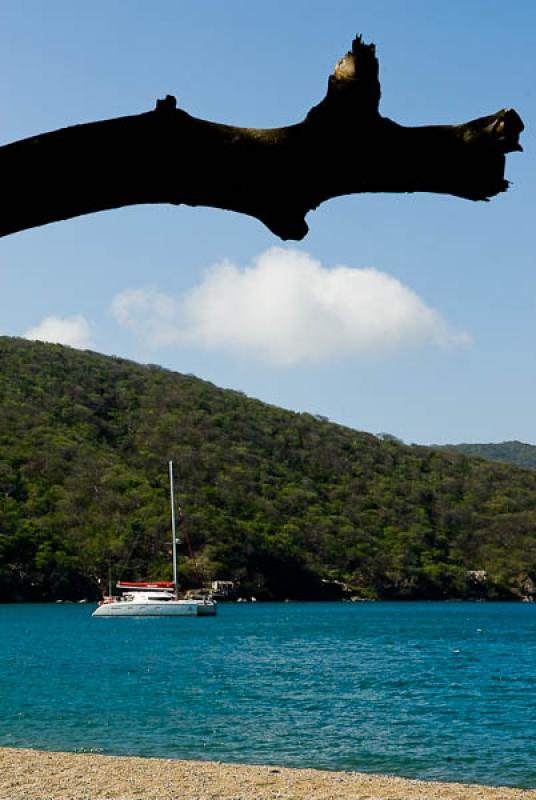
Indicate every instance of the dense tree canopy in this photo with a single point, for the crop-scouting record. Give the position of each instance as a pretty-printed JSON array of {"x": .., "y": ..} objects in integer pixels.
[
  {"x": 519, "y": 453},
  {"x": 288, "y": 504}
]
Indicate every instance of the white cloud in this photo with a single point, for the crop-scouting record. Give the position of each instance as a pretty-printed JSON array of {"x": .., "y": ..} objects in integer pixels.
[
  {"x": 287, "y": 308},
  {"x": 153, "y": 316},
  {"x": 73, "y": 331}
]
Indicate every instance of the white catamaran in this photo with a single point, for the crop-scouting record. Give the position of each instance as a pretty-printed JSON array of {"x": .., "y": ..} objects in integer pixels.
[{"x": 155, "y": 598}]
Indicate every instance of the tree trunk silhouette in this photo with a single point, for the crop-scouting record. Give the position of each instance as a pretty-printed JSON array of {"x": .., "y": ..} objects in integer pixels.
[{"x": 343, "y": 146}]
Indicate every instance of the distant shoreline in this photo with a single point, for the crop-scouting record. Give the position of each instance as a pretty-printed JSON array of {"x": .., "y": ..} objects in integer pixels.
[
  {"x": 42, "y": 775},
  {"x": 357, "y": 601}
]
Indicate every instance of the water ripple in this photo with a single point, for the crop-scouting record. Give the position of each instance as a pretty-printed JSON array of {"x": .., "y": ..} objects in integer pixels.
[{"x": 435, "y": 691}]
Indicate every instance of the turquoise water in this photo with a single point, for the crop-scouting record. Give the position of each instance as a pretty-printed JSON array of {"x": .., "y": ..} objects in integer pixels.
[{"x": 434, "y": 691}]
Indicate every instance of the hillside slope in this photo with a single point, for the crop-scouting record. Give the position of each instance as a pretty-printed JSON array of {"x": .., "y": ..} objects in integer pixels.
[
  {"x": 281, "y": 502},
  {"x": 518, "y": 453}
]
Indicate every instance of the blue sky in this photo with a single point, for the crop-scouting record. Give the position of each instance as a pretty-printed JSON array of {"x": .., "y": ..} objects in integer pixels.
[{"x": 413, "y": 315}]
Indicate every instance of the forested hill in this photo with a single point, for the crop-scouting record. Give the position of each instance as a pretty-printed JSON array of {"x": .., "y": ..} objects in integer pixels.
[
  {"x": 285, "y": 503},
  {"x": 519, "y": 453}
]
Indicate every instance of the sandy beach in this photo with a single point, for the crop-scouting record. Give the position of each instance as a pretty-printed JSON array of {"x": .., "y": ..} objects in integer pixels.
[{"x": 35, "y": 775}]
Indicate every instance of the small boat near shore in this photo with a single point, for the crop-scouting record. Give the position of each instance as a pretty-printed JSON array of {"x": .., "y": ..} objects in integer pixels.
[
  {"x": 152, "y": 600},
  {"x": 156, "y": 598}
]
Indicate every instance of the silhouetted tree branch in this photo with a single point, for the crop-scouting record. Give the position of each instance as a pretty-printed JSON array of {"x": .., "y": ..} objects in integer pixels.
[{"x": 343, "y": 146}]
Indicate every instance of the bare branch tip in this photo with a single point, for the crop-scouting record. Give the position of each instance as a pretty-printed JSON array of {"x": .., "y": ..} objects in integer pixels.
[
  {"x": 169, "y": 103},
  {"x": 359, "y": 46}
]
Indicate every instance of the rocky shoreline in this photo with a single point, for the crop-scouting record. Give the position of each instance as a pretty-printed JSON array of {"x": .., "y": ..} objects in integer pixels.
[{"x": 37, "y": 775}]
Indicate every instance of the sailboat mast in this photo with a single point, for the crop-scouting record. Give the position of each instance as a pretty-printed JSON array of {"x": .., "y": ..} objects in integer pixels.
[{"x": 173, "y": 532}]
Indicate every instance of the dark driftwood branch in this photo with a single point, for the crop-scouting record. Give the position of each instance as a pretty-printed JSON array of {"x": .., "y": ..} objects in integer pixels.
[{"x": 343, "y": 146}]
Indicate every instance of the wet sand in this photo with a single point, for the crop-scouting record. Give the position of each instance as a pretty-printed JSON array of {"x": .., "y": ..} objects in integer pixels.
[{"x": 36, "y": 775}]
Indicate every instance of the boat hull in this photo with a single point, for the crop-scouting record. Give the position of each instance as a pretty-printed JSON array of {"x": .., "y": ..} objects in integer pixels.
[{"x": 177, "y": 608}]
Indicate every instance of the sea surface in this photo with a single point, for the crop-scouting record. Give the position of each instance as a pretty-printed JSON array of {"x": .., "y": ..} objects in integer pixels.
[{"x": 440, "y": 691}]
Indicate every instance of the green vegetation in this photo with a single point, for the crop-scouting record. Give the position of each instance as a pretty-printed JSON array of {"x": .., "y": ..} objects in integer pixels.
[
  {"x": 285, "y": 503},
  {"x": 519, "y": 453}
]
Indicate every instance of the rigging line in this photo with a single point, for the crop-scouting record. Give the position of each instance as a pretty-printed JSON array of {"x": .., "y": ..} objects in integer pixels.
[
  {"x": 125, "y": 561},
  {"x": 197, "y": 570},
  {"x": 129, "y": 554}
]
